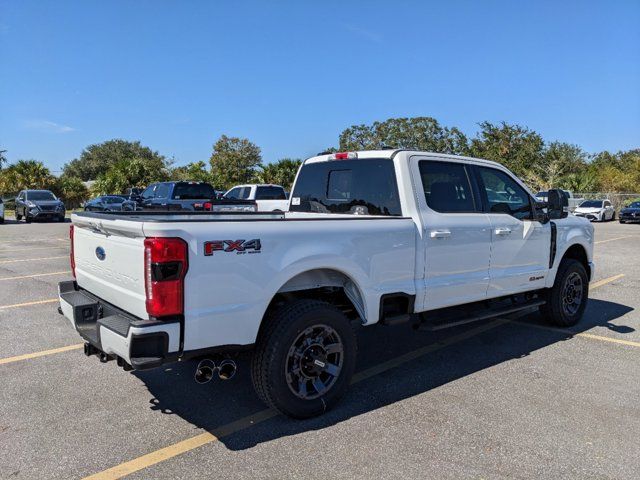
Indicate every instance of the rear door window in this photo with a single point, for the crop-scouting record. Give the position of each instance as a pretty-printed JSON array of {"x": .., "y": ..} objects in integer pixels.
[
  {"x": 359, "y": 187},
  {"x": 447, "y": 187},
  {"x": 193, "y": 191}
]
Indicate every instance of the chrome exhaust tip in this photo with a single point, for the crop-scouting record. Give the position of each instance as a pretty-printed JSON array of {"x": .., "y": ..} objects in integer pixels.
[
  {"x": 227, "y": 369},
  {"x": 204, "y": 371}
]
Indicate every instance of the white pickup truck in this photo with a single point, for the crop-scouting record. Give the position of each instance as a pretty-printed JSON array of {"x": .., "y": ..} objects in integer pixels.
[
  {"x": 268, "y": 197},
  {"x": 371, "y": 237}
]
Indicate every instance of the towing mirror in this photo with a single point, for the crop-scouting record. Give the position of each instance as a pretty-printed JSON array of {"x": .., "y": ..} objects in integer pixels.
[{"x": 557, "y": 204}]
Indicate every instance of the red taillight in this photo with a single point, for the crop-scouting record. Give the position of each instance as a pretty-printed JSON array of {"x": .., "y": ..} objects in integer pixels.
[
  {"x": 165, "y": 265},
  {"x": 72, "y": 257},
  {"x": 208, "y": 206}
]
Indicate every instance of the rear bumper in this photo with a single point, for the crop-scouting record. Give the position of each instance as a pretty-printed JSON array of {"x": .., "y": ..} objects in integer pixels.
[{"x": 142, "y": 344}]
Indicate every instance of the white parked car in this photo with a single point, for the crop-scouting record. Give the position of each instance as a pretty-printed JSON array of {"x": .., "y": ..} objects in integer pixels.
[
  {"x": 389, "y": 236},
  {"x": 596, "y": 210},
  {"x": 268, "y": 197},
  {"x": 1, "y": 211}
]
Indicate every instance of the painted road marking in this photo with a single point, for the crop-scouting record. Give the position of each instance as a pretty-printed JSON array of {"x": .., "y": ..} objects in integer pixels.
[
  {"x": 35, "y": 275},
  {"x": 205, "y": 438},
  {"x": 27, "y": 356},
  {"x": 604, "y": 281},
  {"x": 50, "y": 247},
  {"x": 26, "y": 304},
  {"x": 32, "y": 259},
  {"x": 613, "y": 239}
]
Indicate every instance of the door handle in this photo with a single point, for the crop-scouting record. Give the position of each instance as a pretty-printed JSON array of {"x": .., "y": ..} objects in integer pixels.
[
  {"x": 440, "y": 233},
  {"x": 503, "y": 231}
]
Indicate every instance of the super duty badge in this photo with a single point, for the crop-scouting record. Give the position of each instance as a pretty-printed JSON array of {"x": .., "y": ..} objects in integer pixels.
[{"x": 238, "y": 246}]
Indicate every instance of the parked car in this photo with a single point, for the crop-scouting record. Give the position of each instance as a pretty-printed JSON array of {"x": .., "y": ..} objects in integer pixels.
[
  {"x": 189, "y": 196},
  {"x": 572, "y": 201},
  {"x": 1, "y": 211},
  {"x": 37, "y": 205},
  {"x": 110, "y": 203},
  {"x": 596, "y": 210},
  {"x": 388, "y": 236},
  {"x": 631, "y": 213},
  {"x": 268, "y": 197}
]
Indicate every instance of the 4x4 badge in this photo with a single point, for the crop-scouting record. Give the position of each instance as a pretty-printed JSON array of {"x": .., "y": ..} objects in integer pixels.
[{"x": 238, "y": 246}]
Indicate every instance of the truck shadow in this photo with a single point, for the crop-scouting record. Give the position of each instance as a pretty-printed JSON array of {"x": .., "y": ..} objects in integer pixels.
[{"x": 215, "y": 405}]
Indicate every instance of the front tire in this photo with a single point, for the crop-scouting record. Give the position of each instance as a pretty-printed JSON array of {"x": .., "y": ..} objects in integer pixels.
[
  {"x": 568, "y": 297},
  {"x": 18, "y": 216},
  {"x": 304, "y": 358}
]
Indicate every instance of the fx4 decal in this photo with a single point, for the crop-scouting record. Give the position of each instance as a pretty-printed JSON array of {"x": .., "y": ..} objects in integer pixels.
[{"x": 238, "y": 246}]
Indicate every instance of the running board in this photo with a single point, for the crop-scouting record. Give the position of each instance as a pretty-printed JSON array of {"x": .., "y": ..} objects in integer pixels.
[{"x": 431, "y": 327}]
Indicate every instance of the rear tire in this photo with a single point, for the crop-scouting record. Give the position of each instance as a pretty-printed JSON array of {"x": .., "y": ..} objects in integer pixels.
[
  {"x": 568, "y": 297},
  {"x": 304, "y": 359}
]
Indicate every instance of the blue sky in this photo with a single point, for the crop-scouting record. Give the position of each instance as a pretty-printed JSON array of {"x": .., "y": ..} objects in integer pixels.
[{"x": 291, "y": 76}]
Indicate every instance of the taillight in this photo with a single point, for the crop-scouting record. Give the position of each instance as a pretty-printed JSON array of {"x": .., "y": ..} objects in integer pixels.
[
  {"x": 165, "y": 265},
  {"x": 72, "y": 258},
  {"x": 207, "y": 206}
]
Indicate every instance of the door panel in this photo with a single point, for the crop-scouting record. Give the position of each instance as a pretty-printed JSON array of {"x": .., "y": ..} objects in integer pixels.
[
  {"x": 456, "y": 234},
  {"x": 519, "y": 245}
]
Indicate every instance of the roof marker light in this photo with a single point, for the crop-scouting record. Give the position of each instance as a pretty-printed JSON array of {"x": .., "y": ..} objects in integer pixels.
[{"x": 344, "y": 155}]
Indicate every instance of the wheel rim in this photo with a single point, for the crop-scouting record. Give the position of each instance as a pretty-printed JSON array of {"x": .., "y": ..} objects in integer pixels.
[
  {"x": 572, "y": 293},
  {"x": 314, "y": 362}
]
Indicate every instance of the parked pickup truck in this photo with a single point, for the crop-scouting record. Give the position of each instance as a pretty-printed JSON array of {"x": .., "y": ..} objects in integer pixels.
[
  {"x": 189, "y": 196},
  {"x": 372, "y": 237},
  {"x": 268, "y": 197}
]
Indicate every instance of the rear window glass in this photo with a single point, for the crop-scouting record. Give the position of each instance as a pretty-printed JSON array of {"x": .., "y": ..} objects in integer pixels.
[
  {"x": 359, "y": 187},
  {"x": 193, "y": 191},
  {"x": 270, "y": 193}
]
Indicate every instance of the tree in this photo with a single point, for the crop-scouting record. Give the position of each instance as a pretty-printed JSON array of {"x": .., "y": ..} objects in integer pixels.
[
  {"x": 233, "y": 161},
  {"x": 514, "y": 146},
  {"x": 128, "y": 173},
  {"x": 283, "y": 172},
  {"x": 96, "y": 159},
  {"x": 71, "y": 190},
  {"x": 3, "y": 158},
  {"x": 558, "y": 161},
  {"x": 25, "y": 174},
  {"x": 195, "y": 171},
  {"x": 420, "y": 133}
]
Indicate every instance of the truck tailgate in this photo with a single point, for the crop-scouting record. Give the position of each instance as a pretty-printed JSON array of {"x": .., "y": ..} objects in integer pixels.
[{"x": 109, "y": 258}]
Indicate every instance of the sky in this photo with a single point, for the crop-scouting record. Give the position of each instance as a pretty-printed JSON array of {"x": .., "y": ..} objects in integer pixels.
[{"x": 290, "y": 76}]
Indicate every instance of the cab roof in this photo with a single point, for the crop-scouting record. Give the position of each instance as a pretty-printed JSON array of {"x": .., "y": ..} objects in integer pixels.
[{"x": 391, "y": 153}]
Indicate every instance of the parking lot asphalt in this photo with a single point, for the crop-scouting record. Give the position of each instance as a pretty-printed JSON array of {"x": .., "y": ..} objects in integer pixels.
[{"x": 505, "y": 398}]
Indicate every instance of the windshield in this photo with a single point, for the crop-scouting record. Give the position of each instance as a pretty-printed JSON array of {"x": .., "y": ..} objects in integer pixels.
[
  {"x": 634, "y": 205},
  {"x": 190, "y": 191},
  {"x": 591, "y": 204},
  {"x": 43, "y": 195}
]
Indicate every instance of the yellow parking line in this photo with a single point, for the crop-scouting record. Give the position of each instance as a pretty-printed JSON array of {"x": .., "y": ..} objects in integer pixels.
[
  {"x": 33, "y": 259},
  {"x": 613, "y": 239},
  {"x": 27, "y": 356},
  {"x": 205, "y": 438},
  {"x": 609, "y": 339},
  {"x": 35, "y": 275},
  {"x": 604, "y": 281},
  {"x": 26, "y": 304}
]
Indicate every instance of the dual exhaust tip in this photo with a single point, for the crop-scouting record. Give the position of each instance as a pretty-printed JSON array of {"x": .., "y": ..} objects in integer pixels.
[{"x": 206, "y": 369}]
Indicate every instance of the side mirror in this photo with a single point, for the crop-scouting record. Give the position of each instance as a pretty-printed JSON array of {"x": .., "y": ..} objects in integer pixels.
[{"x": 557, "y": 204}]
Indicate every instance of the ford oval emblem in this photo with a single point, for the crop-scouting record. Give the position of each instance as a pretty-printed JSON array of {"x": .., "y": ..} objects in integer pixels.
[{"x": 100, "y": 253}]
